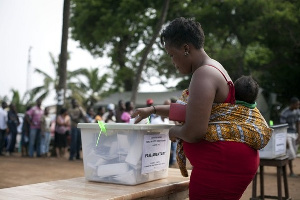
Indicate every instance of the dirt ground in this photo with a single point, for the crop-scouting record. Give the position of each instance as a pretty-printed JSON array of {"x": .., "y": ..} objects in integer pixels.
[{"x": 16, "y": 171}]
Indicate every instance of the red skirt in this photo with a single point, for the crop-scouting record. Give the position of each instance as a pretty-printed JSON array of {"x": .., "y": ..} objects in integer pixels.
[{"x": 221, "y": 170}]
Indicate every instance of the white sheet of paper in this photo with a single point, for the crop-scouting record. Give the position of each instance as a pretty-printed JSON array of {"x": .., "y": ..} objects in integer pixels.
[
  {"x": 280, "y": 143},
  {"x": 154, "y": 156}
]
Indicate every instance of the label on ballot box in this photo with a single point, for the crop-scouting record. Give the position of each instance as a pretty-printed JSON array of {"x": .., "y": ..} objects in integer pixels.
[
  {"x": 155, "y": 153},
  {"x": 280, "y": 143},
  {"x": 277, "y": 144},
  {"x": 126, "y": 154}
]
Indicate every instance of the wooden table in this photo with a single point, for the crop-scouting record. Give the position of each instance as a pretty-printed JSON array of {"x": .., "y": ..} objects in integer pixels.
[
  {"x": 280, "y": 163},
  {"x": 173, "y": 187}
]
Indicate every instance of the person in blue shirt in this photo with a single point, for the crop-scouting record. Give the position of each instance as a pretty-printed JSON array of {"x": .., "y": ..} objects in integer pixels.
[{"x": 291, "y": 116}]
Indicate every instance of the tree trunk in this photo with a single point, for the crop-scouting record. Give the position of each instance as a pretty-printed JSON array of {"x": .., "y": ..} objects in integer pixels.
[
  {"x": 147, "y": 50},
  {"x": 62, "y": 65}
]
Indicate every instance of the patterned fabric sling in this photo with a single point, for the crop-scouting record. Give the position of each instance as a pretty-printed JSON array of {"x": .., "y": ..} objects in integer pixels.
[{"x": 230, "y": 122}]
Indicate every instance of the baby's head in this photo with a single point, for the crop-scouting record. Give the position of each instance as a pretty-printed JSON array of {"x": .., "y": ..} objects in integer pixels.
[{"x": 246, "y": 89}]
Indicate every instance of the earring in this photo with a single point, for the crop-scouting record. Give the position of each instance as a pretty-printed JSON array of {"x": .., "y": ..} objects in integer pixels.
[{"x": 186, "y": 53}]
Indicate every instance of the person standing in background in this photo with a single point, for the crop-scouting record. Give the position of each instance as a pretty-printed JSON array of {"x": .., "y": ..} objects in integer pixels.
[
  {"x": 77, "y": 115},
  {"x": 45, "y": 133},
  {"x": 90, "y": 114},
  {"x": 35, "y": 115},
  {"x": 149, "y": 103},
  {"x": 100, "y": 112},
  {"x": 110, "y": 116},
  {"x": 126, "y": 115},
  {"x": 61, "y": 129},
  {"x": 119, "y": 111},
  {"x": 291, "y": 116},
  {"x": 13, "y": 123},
  {"x": 3, "y": 125},
  {"x": 162, "y": 119},
  {"x": 25, "y": 133}
]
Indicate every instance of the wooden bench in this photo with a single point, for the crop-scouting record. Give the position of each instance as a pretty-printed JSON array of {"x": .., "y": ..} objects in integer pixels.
[
  {"x": 281, "y": 164},
  {"x": 173, "y": 187}
]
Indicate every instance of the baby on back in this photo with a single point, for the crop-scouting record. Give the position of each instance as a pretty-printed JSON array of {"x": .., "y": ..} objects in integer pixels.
[{"x": 246, "y": 91}]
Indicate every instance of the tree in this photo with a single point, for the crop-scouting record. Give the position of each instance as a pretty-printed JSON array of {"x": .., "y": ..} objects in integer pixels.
[
  {"x": 19, "y": 103},
  {"x": 147, "y": 49},
  {"x": 50, "y": 83},
  {"x": 260, "y": 38},
  {"x": 125, "y": 30},
  {"x": 61, "y": 89},
  {"x": 94, "y": 85}
]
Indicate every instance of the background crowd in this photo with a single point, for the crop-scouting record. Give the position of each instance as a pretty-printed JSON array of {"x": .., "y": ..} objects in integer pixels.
[{"x": 39, "y": 133}]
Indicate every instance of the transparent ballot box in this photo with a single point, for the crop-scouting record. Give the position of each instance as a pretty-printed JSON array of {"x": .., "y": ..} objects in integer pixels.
[
  {"x": 277, "y": 144},
  {"x": 126, "y": 154}
]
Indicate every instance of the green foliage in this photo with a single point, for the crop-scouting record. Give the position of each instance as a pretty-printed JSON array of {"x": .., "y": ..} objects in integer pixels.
[
  {"x": 117, "y": 28},
  {"x": 16, "y": 99},
  {"x": 258, "y": 37},
  {"x": 94, "y": 85},
  {"x": 50, "y": 83}
]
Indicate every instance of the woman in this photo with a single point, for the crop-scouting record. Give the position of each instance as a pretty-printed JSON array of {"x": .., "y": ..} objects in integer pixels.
[
  {"x": 61, "y": 128},
  {"x": 126, "y": 115},
  {"x": 221, "y": 169}
]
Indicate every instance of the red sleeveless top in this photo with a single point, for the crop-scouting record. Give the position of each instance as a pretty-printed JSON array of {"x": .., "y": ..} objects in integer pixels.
[
  {"x": 231, "y": 94},
  {"x": 222, "y": 169}
]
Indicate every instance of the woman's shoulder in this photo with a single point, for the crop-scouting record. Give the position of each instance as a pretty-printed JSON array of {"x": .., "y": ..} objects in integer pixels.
[
  {"x": 206, "y": 73},
  {"x": 213, "y": 70},
  {"x": 59, "y": 117}
]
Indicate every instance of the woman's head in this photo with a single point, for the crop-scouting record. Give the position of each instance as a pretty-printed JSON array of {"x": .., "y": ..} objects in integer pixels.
[
  {"x": 183, "y": 39},
  {"x": 12, "y": 107},
  {"x": 128, "y": 105},
  {"x": 121, "y": 105},
  {"x": 183, "y": 31},
  {"x": 63, "y": 111},
  {"x": 46, "y": 111}
]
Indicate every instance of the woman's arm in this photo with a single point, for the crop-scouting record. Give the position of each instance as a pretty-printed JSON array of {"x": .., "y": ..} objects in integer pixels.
[
  {"x": 43, "y": 125},
  {"x": 59, "y": 121},
  {"x": 202, "y": 93},
  {"x": 142, "y": 113},
  {"x": 68, "y": 121}
]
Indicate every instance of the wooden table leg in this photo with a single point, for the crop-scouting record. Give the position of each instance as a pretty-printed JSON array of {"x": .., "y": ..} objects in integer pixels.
[
  {"x": 279, "y": 183},
  {"x": 261, "y": 175},
  {"x": 286, "y": 188}
]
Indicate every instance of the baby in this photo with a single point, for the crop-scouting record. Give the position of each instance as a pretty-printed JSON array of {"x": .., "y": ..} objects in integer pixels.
[{"x": 246, "y": 91}]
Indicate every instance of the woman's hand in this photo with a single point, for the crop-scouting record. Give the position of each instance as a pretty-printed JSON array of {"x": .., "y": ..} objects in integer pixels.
[{"x": 142, "y": 113}]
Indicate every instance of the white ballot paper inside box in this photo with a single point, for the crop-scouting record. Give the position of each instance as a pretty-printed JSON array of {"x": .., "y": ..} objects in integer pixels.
[{"x": 154, "y": 156}]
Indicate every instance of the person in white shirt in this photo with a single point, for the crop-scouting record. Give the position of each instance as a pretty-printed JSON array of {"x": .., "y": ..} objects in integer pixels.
[
  {"x": 3, "y": 125},
  {"x": 109, "y": 116}
]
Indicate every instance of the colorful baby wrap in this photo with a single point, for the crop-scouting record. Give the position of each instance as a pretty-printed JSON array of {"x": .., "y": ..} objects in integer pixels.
[
  {"x": 230, "y": 122},
  {"x": 238, "y": 123}
]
